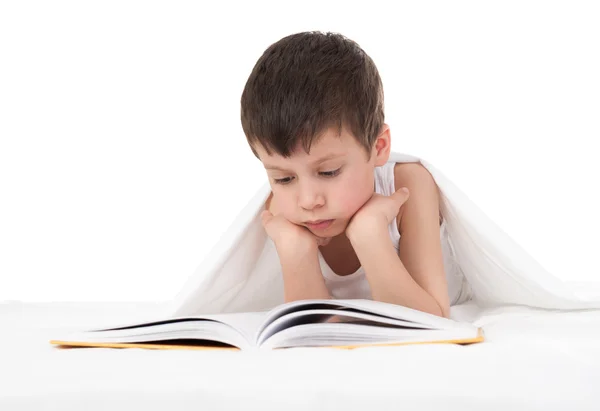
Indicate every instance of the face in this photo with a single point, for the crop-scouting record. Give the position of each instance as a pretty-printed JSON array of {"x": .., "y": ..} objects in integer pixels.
[{"x": 332, "y": 182}]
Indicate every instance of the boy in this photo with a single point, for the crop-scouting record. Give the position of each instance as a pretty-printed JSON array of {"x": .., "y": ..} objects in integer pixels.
[{"x": 313, "y": 114}]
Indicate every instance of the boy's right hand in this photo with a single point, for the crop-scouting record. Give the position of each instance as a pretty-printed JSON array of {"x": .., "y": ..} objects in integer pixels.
[{"x": 290, "y": 239}]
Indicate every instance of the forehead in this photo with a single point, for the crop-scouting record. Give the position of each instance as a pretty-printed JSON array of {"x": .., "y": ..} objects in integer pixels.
[{"x": 327, "y": 146}]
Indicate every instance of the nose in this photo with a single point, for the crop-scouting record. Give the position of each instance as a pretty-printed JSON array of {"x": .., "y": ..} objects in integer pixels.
[{"x": 310, "y": 196}]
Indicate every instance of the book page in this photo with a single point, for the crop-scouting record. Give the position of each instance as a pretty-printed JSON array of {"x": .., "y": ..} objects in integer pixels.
[
  {"x": 403, "y": 313},
  {"x": 238, "y": 329},
  {"x": 349, "y": 334},
  {"x": 315, "y": 316},
  {"x": 246, "y": 323},
  {"x": 367, "y": 306}
]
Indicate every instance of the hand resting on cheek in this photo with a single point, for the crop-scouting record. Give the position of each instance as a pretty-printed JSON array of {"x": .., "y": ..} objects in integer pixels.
[{"x": 287, "y": 236}]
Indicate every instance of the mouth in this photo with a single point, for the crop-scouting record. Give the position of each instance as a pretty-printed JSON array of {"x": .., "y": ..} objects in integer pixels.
[
  {"x": 315, "y": 221},
  {"x": 318, "y": 224}
]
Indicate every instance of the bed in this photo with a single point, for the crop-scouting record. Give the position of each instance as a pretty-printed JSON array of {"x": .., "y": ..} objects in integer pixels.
[{"x": 532, "y": 359}]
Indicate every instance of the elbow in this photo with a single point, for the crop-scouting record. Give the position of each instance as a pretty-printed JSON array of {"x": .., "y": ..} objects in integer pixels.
[
  {"x": 444, "y": 310},
  {"x": 440, "y": 309}
]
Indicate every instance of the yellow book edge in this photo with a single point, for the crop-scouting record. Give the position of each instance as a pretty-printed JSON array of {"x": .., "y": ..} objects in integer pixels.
[{"x": 75, "y": 344}]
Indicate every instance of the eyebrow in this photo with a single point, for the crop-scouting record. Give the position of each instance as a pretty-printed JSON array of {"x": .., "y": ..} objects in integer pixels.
[{"x": 319, "y": 161}]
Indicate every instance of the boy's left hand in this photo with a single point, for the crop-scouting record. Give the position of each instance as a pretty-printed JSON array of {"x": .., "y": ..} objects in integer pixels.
[{"x": 378, "y": 210}]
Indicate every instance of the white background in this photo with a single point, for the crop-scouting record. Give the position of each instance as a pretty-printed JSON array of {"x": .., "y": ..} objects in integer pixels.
[{"x": 122, "y": 157}]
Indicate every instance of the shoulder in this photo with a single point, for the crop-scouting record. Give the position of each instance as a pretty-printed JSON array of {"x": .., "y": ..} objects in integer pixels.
[
  {"x": 424, "y": 192},
  {"x": 407, "y": 170}
]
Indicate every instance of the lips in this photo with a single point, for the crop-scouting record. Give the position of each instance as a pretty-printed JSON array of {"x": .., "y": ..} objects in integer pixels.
[{"x": 318, "y": 224}]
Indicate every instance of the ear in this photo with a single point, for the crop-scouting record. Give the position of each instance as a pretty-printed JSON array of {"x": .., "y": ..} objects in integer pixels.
[{"x": 382, "y": 146}]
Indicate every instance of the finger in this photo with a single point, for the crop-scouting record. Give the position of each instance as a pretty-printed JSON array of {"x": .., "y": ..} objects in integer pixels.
[{"x": 402, "y": 193}]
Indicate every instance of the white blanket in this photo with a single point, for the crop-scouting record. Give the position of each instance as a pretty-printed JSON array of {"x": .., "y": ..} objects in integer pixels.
[
  {"x": 532, "y": 360},
  {"x": 242, "y": 272}
]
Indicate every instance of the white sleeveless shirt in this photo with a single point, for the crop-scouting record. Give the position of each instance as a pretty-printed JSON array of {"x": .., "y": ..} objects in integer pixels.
[{"x": 355, "y": 285}]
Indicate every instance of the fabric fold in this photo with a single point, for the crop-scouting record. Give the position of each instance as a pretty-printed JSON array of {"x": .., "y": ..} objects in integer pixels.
[{"x": 242, "y": 271}]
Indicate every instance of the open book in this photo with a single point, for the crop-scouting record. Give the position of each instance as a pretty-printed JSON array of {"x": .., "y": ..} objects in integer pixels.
[{"x": 304, "y": 323}]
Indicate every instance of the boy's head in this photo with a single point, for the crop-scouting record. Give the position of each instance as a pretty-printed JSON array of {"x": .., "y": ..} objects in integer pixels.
[{"x": 311, "y": 95}]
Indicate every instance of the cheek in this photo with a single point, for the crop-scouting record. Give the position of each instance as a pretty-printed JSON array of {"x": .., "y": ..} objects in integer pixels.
[
  {"x": 353, "y": 195},
  {"x": 286, "y": 204}
]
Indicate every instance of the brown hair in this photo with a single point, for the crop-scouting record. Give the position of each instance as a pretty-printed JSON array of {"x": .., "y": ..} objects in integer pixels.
[{"x": 305, "y": 84}]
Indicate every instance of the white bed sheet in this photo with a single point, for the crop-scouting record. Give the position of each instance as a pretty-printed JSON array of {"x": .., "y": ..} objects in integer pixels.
[{"x": 533, "y": 359}]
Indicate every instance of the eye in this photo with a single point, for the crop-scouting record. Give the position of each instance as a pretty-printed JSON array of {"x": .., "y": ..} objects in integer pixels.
[
  {"x": 331, "y": 173},
  {"x": 282, "y": 180},
  {"x": 327, "y": 174}
]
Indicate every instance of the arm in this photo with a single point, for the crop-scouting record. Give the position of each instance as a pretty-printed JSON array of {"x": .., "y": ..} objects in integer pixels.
[
  {"x": 302, "y": 276},
  {"x": 298, "y": 255},
  {"x": 389, "y": 278},
  {"x": 415, "y": 276},
  {"x": 420, "y": 247}
]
